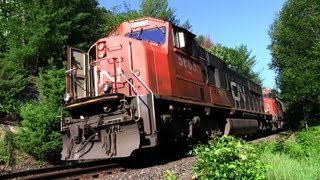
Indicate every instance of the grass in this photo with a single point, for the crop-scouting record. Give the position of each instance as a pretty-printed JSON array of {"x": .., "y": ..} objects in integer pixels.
[
  {"x": 284, "y": 167},
  {"x": 296, "y": 158}
]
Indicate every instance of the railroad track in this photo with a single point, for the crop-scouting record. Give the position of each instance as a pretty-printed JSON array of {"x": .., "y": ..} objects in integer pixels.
[
  {"x": 271, "y": 137},
  {"x": 86, "y": 170},
  {"x": 100, "y": 169}
]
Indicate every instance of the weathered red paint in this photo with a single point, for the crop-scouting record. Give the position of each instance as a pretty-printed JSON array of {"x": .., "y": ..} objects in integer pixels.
[{"x": 271, "y": 104}]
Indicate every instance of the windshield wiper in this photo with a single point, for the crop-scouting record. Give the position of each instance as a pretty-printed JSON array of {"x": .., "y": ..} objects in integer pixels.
[
  {"x": 138, "y": 36},
  {"x": 160, "y": 29}
]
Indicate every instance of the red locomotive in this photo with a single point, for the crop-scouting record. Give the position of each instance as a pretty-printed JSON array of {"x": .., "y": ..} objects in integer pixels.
[
  {"x": 148, "y": 83},
  {"x": 274, "y": 107}
]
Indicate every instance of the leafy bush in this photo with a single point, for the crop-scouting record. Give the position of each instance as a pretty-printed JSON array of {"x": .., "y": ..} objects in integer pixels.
[
  {"x": 289, "y": 147},
  {"x": 169, "y": 175},
  {"x": 310, "y": 140},
  {"x": 294, "y": 158},
  {"x": 6, "y": 144},
  {"x": 13, "y": 82},
  {"x": 303, "y": 144},
  {"x": 227, "y": 158},
  {"x": 4, "y": 156},
  {"x": 39, "y": 135},
  {"x": 51, "y": 87}
]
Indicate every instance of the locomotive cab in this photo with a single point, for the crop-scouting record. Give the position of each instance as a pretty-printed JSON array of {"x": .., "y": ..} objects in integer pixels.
[{"x": 110, "y": 92}]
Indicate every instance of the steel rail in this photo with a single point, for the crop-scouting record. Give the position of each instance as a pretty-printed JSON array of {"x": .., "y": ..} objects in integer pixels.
[{"x": 73, "y": 170}]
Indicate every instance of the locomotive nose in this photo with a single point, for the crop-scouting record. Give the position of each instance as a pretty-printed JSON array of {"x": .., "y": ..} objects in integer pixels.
[{"x": 100, "y": 137}]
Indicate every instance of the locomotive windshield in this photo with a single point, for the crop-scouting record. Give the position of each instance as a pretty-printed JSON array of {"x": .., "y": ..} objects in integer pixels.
[{"x": 155, "y": 35}]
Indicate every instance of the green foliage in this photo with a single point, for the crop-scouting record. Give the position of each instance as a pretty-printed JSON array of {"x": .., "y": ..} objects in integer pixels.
[
  {"x": 303, "y": 145},
  {"x": 310, "y": 140},
  {"x": 169, "y": 175},
  {"x": 158, "y": 9},
  {"x": 294, "y": 158},
  {"x": 285, "y": 167},
  {"x": 13, "y": 82},
  {"x": 114, "y": 17},
  {"x": 38, "y": 31},
  {"x": 288, "y": 147},
  {"x": 227, "y": 158},
  {"x": 6, "y": 150},
  {"x": 295, "y": 49},
  {"x": 204, "y": 41},
  {"x": 4, "y": 157},
  {"x": 187, "y": 25},
  {"x": 148, "y": 8},
  {"x": 238, "y": 59},
  {"x": 34, "y": 35},
  {"x": 51, "y": 87},
  {"x": 39, "y": 134}
]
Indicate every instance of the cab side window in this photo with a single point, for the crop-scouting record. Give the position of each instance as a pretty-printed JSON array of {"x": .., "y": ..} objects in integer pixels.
[
  {"x": 178, "y": 39},
  {"x": 185, "y": 41}
]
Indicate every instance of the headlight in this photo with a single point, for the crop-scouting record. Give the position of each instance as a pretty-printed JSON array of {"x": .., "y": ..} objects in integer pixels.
[
  {"x": 106, "y": 87},
  {"x": 67, "y": 98},
  {"x": 101, "y": 54},
  {"x": 101, "y": 50},
  {"x": 100, "y": 46}
]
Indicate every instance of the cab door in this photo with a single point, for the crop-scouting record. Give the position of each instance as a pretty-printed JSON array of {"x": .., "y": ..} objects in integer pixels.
[{"x": 78, "y": 74}]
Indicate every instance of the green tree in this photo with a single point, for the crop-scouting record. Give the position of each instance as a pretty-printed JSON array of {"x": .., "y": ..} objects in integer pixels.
[
  {"x": 13, "y": 77},
  {"x": 115, "y": 16},
  {"x": 158, "y": 9},
  {"x": 12, "y": 85},
  {"x": 187, "y": 25},
  {"x": 204, "y": 41},
  {"x": 39, "y": 134},
  {"x": 295, "y": 49},
  {"x": 148, "y": 8},
  {"x": 238, "y": 59},
  {"x": 38, "y": 31},
  {"x": 34, "y": 35}
]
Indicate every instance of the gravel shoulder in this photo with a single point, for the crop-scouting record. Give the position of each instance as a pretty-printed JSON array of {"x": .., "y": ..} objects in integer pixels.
[{"x": 182, "y": 169}]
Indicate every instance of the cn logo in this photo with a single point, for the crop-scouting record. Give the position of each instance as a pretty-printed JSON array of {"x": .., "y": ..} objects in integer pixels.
[
  {"x": 237, "y": 92},
  {"x": 106, "y": 76}
]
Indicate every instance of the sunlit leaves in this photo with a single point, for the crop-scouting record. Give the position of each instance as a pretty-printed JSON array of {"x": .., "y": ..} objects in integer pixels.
[
  {"x": 295, "y": 39},
  {"x": 238, "y": 59},
  {"x": 227, "y": 158},
  {"x": 158, "y": 9}
]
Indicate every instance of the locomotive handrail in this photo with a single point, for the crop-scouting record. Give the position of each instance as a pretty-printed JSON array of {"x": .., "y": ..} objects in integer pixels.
[
  {"x": 138, "y": 99},
  {"x": 105, "y": 58},
  {"x": 114, "y": 58},
  {"x": 134, "y": 74},
  {"x": 70, "y": 70}
]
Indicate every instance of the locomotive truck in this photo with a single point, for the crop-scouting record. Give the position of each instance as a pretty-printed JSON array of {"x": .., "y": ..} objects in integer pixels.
[{"x": 147, "y": 84}]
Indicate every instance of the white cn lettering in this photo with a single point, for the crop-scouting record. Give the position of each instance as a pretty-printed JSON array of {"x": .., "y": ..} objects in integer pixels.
[
  {"x": 105, "y": 74},
  {"x": 241, "y": 90},
  {"x": 234, "y": 88},
  {"x": 237, "y": 92}
]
